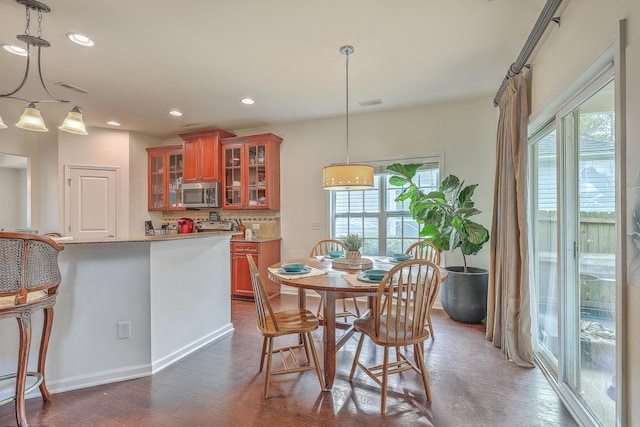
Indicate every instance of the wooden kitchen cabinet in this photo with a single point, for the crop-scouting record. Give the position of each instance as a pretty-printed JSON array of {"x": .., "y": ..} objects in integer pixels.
[
  {"x": 251, "y": 172},
  {"x": 265, "y": 253},
  {"x": 165, "y": 178},
  {"x": 201, "y": 151}
]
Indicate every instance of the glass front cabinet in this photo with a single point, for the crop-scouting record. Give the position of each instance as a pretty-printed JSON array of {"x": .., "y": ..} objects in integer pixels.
[
  {"x": 165, "y": 178},
  {"x": 251, "y": 172}
]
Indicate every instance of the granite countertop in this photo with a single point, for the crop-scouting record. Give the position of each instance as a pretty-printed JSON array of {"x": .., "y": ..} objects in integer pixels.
[{"x": 72, "y": 241}]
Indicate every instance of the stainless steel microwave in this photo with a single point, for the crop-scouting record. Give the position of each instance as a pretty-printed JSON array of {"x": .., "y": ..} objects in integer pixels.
[{"x": 201, "y": 195}]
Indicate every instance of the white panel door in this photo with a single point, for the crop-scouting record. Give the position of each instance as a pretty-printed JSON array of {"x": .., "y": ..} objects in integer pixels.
[{"x": 91, "y": 206}]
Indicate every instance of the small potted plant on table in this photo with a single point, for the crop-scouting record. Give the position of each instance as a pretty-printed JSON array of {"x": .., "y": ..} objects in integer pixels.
[{"x": 353, "y": 244}]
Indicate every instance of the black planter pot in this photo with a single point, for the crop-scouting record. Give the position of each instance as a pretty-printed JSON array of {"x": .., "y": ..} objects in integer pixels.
[{"x": 464, "y": 295}]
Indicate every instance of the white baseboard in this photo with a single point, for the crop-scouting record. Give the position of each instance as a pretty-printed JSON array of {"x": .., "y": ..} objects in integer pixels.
[
  {"x": 131, "y": 372},
  {"x": 160, "y": 364}
]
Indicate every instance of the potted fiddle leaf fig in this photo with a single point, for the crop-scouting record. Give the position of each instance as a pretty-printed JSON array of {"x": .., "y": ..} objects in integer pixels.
[{"x": 444, "y": 218}]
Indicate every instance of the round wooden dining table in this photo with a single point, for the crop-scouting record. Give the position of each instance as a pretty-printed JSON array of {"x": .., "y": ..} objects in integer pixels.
[{"x": 331, "y": 286}]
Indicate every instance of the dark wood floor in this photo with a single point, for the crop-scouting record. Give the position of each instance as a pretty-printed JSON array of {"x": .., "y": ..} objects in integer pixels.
[{"x": 471, "y": 384}]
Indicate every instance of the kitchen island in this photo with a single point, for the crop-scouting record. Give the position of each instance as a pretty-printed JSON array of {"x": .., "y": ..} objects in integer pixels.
[{"x": 170, "y": 293}]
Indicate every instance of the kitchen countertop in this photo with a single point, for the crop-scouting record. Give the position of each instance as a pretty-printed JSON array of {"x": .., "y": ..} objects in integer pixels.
[{"x": 72, "y": 241}]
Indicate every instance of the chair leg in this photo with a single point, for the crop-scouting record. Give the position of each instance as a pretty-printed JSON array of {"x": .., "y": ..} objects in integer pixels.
[
  {"x": 264, "y": 348},
  {"x": 385, "y": 377},
  {"x": 356, "y": 357},
  {"x": 319, "y": 310},
  {"x": 268, "y": 373},
  {"x": 355, "y": 303},
  {"x": 433, "y": 337},
  {"x": 309, "y": 338},
  {"x": 44, "y": 346},
  {"x": 24, "y": 326},
  {"x": 423, "y": 369}
]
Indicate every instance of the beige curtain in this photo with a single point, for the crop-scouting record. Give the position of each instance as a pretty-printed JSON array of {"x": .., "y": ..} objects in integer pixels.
[{"x": 508, "y": 315}]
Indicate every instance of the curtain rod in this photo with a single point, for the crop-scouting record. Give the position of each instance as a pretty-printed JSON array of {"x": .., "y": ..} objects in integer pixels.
[{"x": 546, "y": 16}]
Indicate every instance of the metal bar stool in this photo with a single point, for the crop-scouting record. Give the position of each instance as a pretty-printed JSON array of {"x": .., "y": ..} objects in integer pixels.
[{"x": 29, "y": 279}]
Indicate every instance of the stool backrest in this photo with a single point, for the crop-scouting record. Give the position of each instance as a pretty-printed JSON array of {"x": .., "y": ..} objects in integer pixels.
[{"x": 28, "y": 263}]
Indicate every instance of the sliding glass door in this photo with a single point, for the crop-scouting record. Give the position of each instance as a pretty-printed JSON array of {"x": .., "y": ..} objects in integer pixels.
[{"x": 573, "y": 251}]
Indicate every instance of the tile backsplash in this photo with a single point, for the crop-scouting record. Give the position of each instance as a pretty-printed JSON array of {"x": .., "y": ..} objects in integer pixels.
[{"x": 268, "y": 221}]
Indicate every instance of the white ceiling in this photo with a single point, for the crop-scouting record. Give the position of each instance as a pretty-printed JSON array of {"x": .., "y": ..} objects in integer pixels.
[{"x": 203, "y": 56}]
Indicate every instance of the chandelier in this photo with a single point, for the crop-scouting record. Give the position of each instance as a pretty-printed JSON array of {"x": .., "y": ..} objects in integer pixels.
[
  {"x": 347, "y": 176},
  {"x": 31, "y": 119}
]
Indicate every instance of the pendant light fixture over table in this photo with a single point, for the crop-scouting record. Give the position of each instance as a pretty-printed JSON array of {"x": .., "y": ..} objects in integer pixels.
[
  {"x": 347, "y": 176},
  {"x": 31, "y": 118}
]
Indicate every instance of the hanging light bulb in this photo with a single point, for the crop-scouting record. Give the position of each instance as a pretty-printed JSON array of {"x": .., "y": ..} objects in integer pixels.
[
  {"x": 347, "y": 176},
  {"x": 73, "y": 123},
  {"x": 32, "y": 120}
]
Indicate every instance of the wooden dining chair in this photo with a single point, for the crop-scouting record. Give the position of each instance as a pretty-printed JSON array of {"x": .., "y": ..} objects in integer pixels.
[
  {"x": 322, "y": 248},
  {"x": 427, "y": 251},
  {"x": 272, "y": 324},
  {"x": 29, "y": 280},
  {"x": 399, "y": 323}
]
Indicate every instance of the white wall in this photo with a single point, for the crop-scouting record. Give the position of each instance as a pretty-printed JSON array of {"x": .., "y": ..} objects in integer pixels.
[
  {"x": 37, "y": 147},
  {"x": 588, "y": 28},
  {"x": 464, "y": 131},
  {"x": 10, "y": 208},
  {"x": 102, "y": 147}
]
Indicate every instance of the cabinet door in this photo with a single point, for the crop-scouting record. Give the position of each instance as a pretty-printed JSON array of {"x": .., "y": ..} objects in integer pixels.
[
  {"x": 232, "y": 177},
  {"x": 191, "y": 157},
  {"x": 174, "y": 180},
  {"x": 156, "y": 190},
  {"x": 210, "y": 159},
  {"x": 256, "y": 182},
  {"x": 240, "y": 275}
]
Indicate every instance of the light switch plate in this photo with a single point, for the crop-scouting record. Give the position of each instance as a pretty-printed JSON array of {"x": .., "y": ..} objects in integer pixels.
[{"x": 315, "y": 225}]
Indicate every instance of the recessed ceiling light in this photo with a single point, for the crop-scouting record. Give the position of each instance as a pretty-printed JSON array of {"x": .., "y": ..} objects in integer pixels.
[
  {"x": 175, "y": 113},
  {"x": 16, "y": 50},
  {"x": 80, "y": 39},
  {"x": 113, "y": 123},
  {"x": 247, "y": 101}
]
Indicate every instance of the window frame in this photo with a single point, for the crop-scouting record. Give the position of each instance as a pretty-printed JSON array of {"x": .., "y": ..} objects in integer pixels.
[{"x": 435, "y": 161}]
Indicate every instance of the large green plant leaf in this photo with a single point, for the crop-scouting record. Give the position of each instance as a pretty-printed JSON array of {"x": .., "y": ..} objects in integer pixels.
[
  {"x": 476, "y": 233},
  {"x": 405, "y": 171},
  {"x": 449, "y": 184}
]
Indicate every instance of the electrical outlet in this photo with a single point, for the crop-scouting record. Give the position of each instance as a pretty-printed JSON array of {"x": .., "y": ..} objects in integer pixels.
[
  {"x": 256, "y": 226},
  {"x": 315, "y": 225},
  {"x": 124, "y": 330}
]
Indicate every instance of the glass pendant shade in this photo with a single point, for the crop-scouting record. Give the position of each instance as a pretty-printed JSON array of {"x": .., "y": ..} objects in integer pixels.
[
  {"x": 73, "y": 123},
  {"x": 2, "y": 125},
  {"x": 348, "y": 176},
  {"x": 32, "y": 120}
]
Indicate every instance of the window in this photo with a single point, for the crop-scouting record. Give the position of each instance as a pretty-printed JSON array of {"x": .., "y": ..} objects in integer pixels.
[{"x": 385, "y": 225}]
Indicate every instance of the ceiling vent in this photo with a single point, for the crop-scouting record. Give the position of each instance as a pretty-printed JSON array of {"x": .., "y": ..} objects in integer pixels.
[
  {"x": 72, "y": 87},
  {"x": 370, "y": 103}
]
